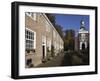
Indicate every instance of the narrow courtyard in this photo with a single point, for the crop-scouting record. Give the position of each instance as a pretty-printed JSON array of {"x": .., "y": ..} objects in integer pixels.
[{"x": 64, "y": 59}]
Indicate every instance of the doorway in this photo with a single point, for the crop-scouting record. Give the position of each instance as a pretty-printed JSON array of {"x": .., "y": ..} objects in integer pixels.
[
  {"x": 43, "y": 48},
  {"x": 43, "y": 51},
  {"x": 83, "y": 46}
]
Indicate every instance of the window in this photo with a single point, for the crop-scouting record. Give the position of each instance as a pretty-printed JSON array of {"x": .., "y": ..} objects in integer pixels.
[
  {"x": 49, "y": 44},
  {"x": 43, "y": 40},
  {"x": 32, "y": 15},
  {"x": 28, "y": 13},
  {"x": 29, "y": 39},
  {"x": 47, "y": 26},
  {"x": 54, "y": 34}
]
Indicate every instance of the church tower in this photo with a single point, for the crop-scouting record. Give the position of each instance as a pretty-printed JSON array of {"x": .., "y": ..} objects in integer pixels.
[{"x": 83, "y": 36}]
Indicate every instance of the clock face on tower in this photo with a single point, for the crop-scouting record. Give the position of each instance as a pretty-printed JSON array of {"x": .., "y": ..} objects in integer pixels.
[{"x": 83, "y": 37}]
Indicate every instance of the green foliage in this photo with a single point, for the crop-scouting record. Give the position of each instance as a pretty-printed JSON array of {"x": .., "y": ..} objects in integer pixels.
[
  {"x": 52, "y": 51},
  {"x": 29, "y": 50},
  {"x": 51, "y": 18},
  {"x": 59, "y": 29},
  {"x": 69, "y": 40},
  {"x": 48, "y": 54}
]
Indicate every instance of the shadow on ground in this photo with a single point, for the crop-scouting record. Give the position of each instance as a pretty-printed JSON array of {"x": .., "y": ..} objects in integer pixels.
[
  {"x": 75, "y": 58},
  {"x": 67, "y": 60},
  {"x": 71, "y": 58}
]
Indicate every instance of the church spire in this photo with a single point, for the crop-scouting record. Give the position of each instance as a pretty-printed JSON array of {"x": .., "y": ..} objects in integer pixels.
[{"x": 82, "y": 24}]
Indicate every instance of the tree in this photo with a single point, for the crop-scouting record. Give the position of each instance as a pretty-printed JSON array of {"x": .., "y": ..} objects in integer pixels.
[
  {"x": 52, "y": 51},
  {"x": 69, "y": 39},
  {"x": 59, "y": 30},
  {"x": 51, "y": 18}
]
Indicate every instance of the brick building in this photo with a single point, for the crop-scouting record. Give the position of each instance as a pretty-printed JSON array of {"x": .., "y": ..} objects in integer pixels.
[{"x": 41, "y": 39}]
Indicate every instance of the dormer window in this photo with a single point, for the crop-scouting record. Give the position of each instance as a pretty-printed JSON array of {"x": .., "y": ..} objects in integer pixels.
[{"x": 32, "y": 15}]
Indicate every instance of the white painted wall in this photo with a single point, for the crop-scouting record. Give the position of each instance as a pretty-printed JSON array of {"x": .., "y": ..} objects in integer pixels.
[{"x": 5, "y": 41}]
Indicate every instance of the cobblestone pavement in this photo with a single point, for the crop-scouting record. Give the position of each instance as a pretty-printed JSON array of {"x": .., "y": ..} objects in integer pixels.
[
  {"x": 55, "y": 61},
  {"x": 59, "y": 60},
  {"x": 66, "y": 59}
]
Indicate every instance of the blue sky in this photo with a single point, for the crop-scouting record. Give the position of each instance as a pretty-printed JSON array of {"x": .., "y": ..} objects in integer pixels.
[{"x": 68, "y": 21}]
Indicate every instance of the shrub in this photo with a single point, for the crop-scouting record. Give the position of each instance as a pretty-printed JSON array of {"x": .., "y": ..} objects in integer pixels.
[
  {"x": 29, "y": 50},
  {"x": 48, "y": 53},
  {"x": 52, "y": 51}
]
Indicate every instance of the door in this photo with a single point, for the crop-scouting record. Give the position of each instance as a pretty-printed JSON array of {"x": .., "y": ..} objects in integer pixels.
[
  {"x": 43, "y": 48},
  {"x": 83, "y": 46},
  {"x": 43, "y": 52}
]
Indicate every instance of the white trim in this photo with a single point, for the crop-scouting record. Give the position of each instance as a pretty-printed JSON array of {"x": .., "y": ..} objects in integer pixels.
[
  {"x": 83, "y": 31},
  {"x": 29, "y": 29}
]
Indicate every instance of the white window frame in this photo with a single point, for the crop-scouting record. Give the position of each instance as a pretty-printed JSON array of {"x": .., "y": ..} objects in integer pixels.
[{"x": 34, "y": 37}]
